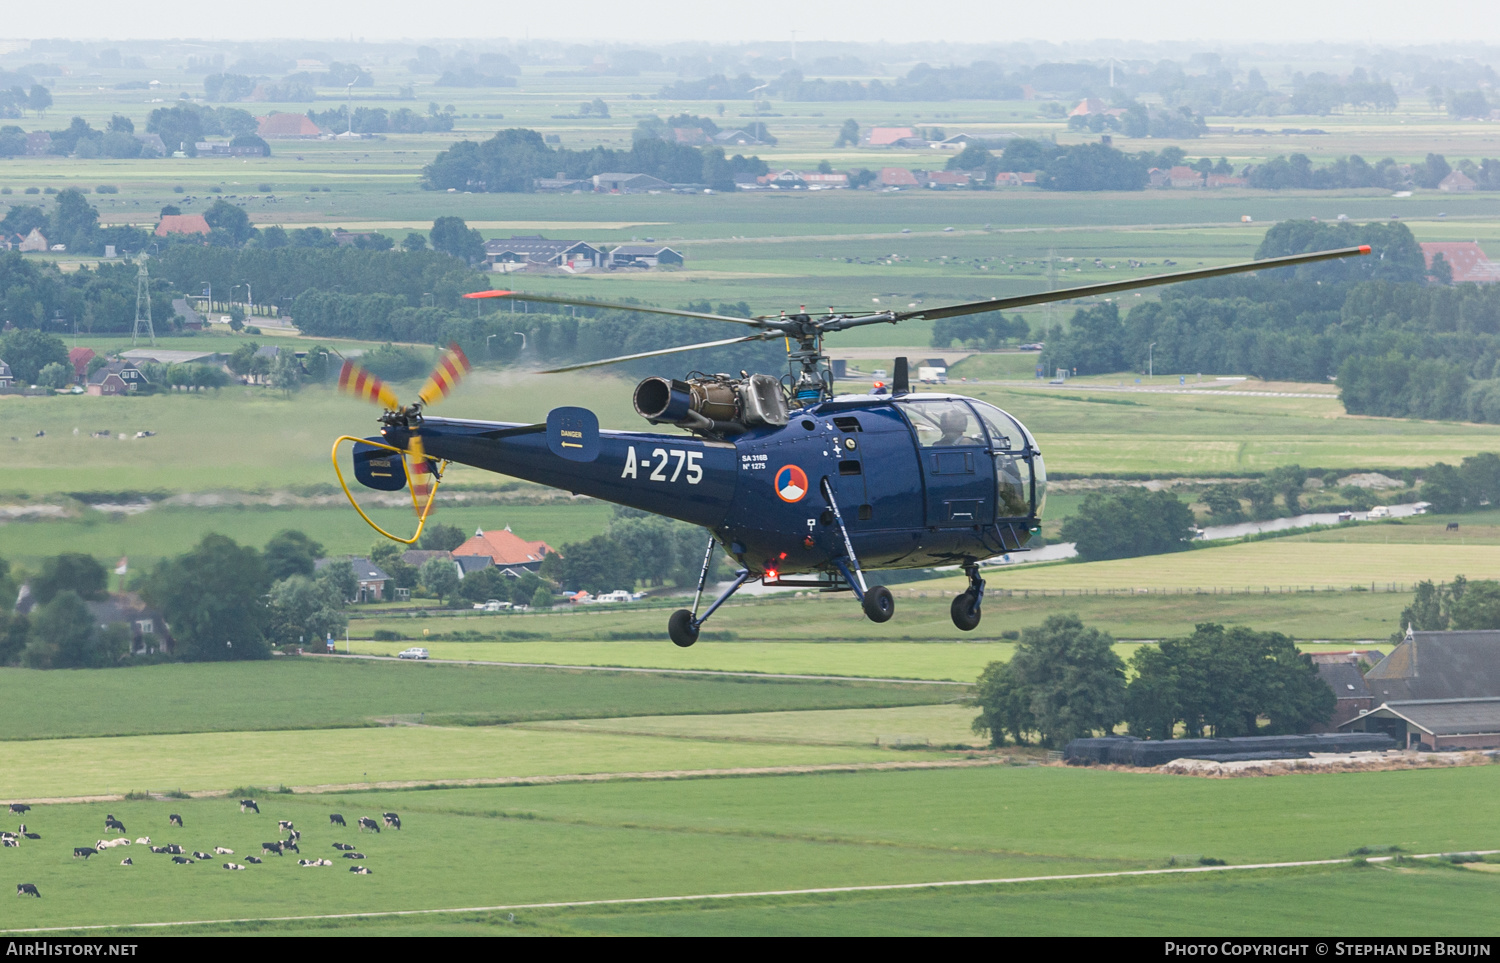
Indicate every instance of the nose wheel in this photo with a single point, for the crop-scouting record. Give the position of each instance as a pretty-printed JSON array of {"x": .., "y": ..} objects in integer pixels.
[{"x": 966, "y": 608}]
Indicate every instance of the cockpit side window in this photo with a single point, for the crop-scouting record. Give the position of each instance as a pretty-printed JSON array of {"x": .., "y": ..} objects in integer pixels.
[
  {"x": 944, "y": 424},
  {"x": 1006, "y": 433}
]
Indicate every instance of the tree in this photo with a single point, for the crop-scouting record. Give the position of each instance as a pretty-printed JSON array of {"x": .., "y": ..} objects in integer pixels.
[
  {"x": 442, "y": 538},
  {"x": 1477, "y": 606},
  {"x": 1262, "y": 499},
  {"x": 1288, "y": 481},
  {"x": 439, "y": 577},
  {"x": 452, "y": 236},
  {"x": 290, "y": 552},
  {"x": 55, "y": 375},
  {"x": 39, "y": 100},
  {"x": 414, "y": 242},
  {"x": 286, "y": 373},
  {"x": 1220, "y": 681},
  {"x": 340, "y": 579},
  {"x": 1004, "y": 706},
  {"x": 230, "y": 218},
  {"x": 848, "y": 134},
  {"x": 1223, "y": 504},
  {"x": 1065, "y": 681},
  {"x": 1130, "y": 522},
  {"x": 542, "y": 598},
  {"x": 70, "y": 572},
  {"x": 212, "y": 597},
  {"x": 64, "y": 636},
  {"x": 305, "y": 610},
  {"x": 73, "y": 222}
]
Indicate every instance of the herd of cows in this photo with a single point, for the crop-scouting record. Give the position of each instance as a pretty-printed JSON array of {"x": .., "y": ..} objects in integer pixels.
[{"x": 183, "y": 857}]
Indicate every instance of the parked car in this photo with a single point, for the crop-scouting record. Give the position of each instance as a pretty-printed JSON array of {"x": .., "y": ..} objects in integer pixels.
[
  {"x": 1379, "y": 511},
  {"x": 491, "y": 605},
  {"x": 412, "y": 653}
]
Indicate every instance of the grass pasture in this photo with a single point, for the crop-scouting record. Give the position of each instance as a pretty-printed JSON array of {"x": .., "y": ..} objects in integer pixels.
[{"x": 615, "y": 840}]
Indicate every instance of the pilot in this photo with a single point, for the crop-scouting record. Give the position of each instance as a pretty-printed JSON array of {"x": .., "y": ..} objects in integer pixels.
[{"x": 953, "y": 422}]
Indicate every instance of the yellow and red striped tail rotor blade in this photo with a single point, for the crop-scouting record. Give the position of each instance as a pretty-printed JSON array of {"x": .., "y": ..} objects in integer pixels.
[
  {"x": 450, "y": 370},
  {"x": 421, "y": 476},
  {"x": 356, "y": 381}
]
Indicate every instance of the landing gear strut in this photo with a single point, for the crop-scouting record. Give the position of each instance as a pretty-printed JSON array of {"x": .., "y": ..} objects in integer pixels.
[
  {"x": 878, "y": 603},
  {"x": 683, "y": 626},
  {"x": 966, "y": 608}
]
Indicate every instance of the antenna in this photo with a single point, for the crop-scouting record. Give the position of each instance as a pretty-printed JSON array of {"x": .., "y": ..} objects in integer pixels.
[{"x": 143, "y": 305}]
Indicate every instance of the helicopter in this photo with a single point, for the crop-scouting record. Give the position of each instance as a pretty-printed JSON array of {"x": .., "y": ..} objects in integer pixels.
[{"x": 800, "y": 486}]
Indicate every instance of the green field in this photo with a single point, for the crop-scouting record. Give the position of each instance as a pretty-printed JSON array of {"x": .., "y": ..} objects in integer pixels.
[
  {"x": 321, "y": 693},
  {"x": 489, "y": 847}
]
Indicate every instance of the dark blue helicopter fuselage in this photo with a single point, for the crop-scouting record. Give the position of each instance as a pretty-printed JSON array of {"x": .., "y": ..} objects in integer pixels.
[{"x": 907, "y": 501}]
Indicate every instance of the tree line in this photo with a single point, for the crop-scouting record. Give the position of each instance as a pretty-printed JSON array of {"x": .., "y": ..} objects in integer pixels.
[
  {"x": 1065, "y": 682},
  {"x": 512, "y": 160}
]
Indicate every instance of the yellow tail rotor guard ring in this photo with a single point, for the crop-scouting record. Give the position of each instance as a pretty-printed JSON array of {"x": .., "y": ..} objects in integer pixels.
[{"x": 422, "y": 511}]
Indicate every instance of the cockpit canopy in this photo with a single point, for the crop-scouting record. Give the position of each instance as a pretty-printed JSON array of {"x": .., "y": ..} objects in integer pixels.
[{"x": 950, "y": 422}]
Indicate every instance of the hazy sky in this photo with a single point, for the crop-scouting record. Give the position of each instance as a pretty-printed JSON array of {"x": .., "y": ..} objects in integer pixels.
[{"x": 1340, "y": 21}]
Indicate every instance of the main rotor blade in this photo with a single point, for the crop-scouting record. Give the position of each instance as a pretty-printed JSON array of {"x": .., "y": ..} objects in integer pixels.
[
  {"x": 1087, "y": 290},
  {"x": 577, "y": 302},
  {"x": 652, "y": 354}
]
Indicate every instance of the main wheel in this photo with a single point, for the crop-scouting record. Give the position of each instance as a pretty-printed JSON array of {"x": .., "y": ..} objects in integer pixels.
[
  {"x": 681, "y": 628},
  {"x": 965, "y": 612},
  {"x": 878, "y": 604}
]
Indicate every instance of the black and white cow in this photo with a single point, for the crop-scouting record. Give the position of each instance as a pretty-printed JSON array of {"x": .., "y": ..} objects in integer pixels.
[
  {"x": 158, "y": 849},
  {"x": 200, "y": 854},
  {"x": 84, "y": 851},
  {"x": 223, "y": 851},
  {"x": 10, "y": 842},
  {"x": 110, "y": 822},
  {"x": 354, "y": 855},
  {"x": 174, "y": 820},
  {"x": 342, "y": 847},
  {"x": 361, "y": 870},
  {"x": 174, "y": 849},
  {"x": 365, "y": 822},
  {"x": 249, "y": 804},
  {"x": 285, "y": 825},
  {"x": 127, "y": 861},
  {"x": 233, "y": 866},
  {"x": 253, "y": 859},
  {"x": 334, "y": 819},
  {"x": 271, "y": 848},
  {"x": 182, "y": 861},
  {"x": 27, "y": 889},
  {"x": 18, "y": 809},
  {"x": 392, "y": 820}
]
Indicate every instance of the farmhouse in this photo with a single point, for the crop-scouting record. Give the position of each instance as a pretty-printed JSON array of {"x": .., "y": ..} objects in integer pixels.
[
  {"x": 181, "y": 224},
  {"x": 616, "y": 183},
  {"x": 1015, "y": 179},
  {"x": 534, "y": 252},
  {"x": 644, "y": 255},
  {"x": 946, "y": 180},
  {"x": 737, "y": 138},
  {"x": 6, "y": 378},
  {"x": 886, "y": 136},
  {"x": 1457, "y": 181},
  {"x": 35, "y": 241},
  {"x": 506, "y": 550},
  {"x": 1466, "y": 259},
  {"x": 79, "y": 358},
  {"x": 148, "y": 629},
  {"x": 897, "y": 177},
  {"x": 287, "y": 126},
  {"x": 1349, "y": 689},
  {"x": 116, "y": 378},
  {"x": 1438, "y": 690}
]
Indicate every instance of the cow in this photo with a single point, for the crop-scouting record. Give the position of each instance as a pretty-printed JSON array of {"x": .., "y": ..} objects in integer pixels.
[
  {"x": 334, "y": 819},
  {"x": 143, "y": 841},
  {"x": 1452, "y": 526},
  {"x": 27, "y": 889},
  {"x": 392, "y": 820},
  {"x": 342, "y": 847},
  {"x": 199, "y": 854},
  {"x": 32, "y": 835},
  {"x": 294, "y": 835},
  {"x": 174, "y": 820},
  {"x": 354, "y": 855},
  {"x": 285, "y": 825},
  {"x": 365, "y": 822},
  {"x": 253, "y": 859},
  {"x": 10, "y": 843},
  {"x": 174, "y": 849},
  {"x": 84, "y": 851},
  {"x": 271, "y": 848},
  {"x": 307, "y": 862},
  {"x": 182, "y": 861},
  {"x": 223, "y": 852},
  {"x": 110, "y": 822},
  {"x": 233, "y": 866},
  {"x": 19, "y": 808},
  {"x": 249, "y": 804},
  {"x": 361, "y": 870},
  {"x": 292, "y": 845},
  {"x": 158, "y": 849},
  {"x": 104, "y": 844},
  {"x": 127, "y": 861}
]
